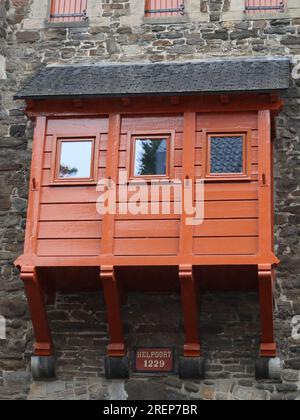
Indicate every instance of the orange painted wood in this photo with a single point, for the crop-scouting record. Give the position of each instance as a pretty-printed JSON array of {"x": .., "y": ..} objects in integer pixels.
[
  {"x": 162, "y": 105},
  {"x": 74, "y": 230},
  {"x": 230, "y": 209},
  {"x": 247, "y": 245},
  {"x": 147, "y": 228},
  {"x": 146, "y": 246},
  {"x": 82, "y": 126},
  {"x": 265, "y": 277},
  {"x": 227, "y": 228},
  {"x": 36, "y": 301},
  {"x": 152, "y": 122},
  {"x": 111, "y": 290},
  {"x": 190, "y": 311},
  {"x": 227, "y": 121},
  {"x": 145, "y": 260},
  {"x": 188, "y": 171},
  {"x": 68, "y": 214},
  {"x": 213, "y": 210},
  {"x": 111, "y": 173},
  {"x": 35, "y": 186},
  {"x": 68, "y": 247},
  {"x": 266, "y": 228},
  {"x": 61, "y": 212}
]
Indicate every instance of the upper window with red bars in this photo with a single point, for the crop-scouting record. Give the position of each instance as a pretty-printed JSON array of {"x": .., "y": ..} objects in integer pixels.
[
  {"x": 68, "y": 11},
  {"x": 265, "y": 6},
  {"x": 164, "y": 8}
]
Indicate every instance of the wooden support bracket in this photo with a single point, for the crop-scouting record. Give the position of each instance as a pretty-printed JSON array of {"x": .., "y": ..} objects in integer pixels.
[
  {"x": 116, "y": 348},
  {"x": 266, "y": 285},
  {"x": 190, "y": 311},
  {"x": 36, "y": 300}
]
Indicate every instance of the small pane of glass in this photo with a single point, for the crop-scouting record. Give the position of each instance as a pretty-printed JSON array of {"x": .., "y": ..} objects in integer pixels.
[
  {"x": 75, "y": 159},
  {"x": 150, "y": 157},
  {"x": 226, "y": 155}
]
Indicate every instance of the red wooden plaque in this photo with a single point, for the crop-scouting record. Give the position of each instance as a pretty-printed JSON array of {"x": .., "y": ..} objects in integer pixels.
[{"x": 154, "y": 359}]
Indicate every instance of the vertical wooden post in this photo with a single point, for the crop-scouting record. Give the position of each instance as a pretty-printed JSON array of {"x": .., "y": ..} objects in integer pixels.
[
  {"x": 265, "y": 194},
  {"x": 116, "y": 347},
  {"x": 107, "y": 242},
  {"x": 188, "y": 175},
  {"x": 43, "y": 345},
  {"x": 266, "y": 280},
  {"x": 190, "y": 311},
  {"x": 36, "y": 174}
]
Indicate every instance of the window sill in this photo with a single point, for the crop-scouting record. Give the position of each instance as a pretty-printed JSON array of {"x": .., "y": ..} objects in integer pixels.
[
  {"x": 228, "y": 179},
  {"x": 71, "y": 183},
  {"x": 51, "y": 25},
  {"x": 165, "y": 20},
  {"x": 266, "y": 16}
]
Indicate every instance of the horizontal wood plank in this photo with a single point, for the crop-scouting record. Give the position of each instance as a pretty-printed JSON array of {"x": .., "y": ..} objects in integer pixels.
[
  {"x": 147, "y": 228},
  {"x": 227, "y": 120},
  {"x": 161, "y": 246},
  {"x": 61, "y": 212},
  {"x": 88, "y": 194},
  {"x": 226, "y": 246},
  {"x": 68, "y": 247},
  {"x": 75, "y": 230},
  {"x": 78, "y": 126},
  {"x": 152, "y": 122},
  {"x": 227, "y": 228}
]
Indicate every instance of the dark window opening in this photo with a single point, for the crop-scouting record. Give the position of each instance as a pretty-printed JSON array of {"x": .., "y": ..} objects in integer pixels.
[
  {"x": 264, "y": 6},
  {"x": 68, "y": 11},
  {"x": 164, "y": 8}
]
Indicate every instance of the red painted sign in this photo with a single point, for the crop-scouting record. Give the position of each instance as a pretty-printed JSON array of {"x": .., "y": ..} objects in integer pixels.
[{"x": 154, "y": 359}]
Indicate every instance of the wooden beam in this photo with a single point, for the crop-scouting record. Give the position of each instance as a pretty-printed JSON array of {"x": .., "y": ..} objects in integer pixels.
[
  {"x": 116, "y": 348},
  {"x": 36, "y": 301},
  {"x": 35, "y": 186},
  {"x": 266, "y": 283},
  {"x": 190, "y": 311},
  {"x": 265, "y": 194},
  {"x": 112, "y": 163},
  {"x": 188, "y": 173}
]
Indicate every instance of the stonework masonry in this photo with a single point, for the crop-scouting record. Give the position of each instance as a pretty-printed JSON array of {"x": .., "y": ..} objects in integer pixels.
[{"x": 118, "y": 32}]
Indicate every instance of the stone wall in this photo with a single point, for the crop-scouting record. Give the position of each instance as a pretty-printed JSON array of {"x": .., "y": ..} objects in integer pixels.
[{"x": 229, "y": 322}]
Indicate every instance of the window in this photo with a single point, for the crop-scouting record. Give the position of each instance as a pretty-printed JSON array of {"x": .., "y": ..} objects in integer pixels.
[
  {"x": 228, "y": 156},
  {"x": 164, "y": 8},
  {"x": 151, "y": 156},
  {"x": 265, "y": 6},
  {"x": 68, "y": 11},
  {"x": 73, "y": 161}
]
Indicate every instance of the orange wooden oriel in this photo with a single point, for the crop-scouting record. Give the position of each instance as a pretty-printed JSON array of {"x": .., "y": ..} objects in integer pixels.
[{"x": 69, "y": 246}]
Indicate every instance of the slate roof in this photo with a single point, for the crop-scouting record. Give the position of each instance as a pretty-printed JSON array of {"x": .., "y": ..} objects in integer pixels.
[{"x": 108, "y": 80}]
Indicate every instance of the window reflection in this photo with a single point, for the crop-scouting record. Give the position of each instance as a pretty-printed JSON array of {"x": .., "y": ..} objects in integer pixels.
[
  {"x": 75, "y": 159},
  {"x": 226, "y": 155},
  {"x": 150, "y": 157}
]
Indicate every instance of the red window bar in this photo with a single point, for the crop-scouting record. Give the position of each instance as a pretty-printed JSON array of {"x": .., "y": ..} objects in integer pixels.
[
  {"x": 265, "y": 6},
  {"x": 68, "y": 11},
  {"x": 162, "y": 8}
]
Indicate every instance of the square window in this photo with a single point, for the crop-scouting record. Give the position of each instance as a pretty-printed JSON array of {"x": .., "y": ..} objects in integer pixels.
[
  {"x": 73, "y": 161},
  {"x": 151, "y": 156},
  {"x": 228, "y": 156}
]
